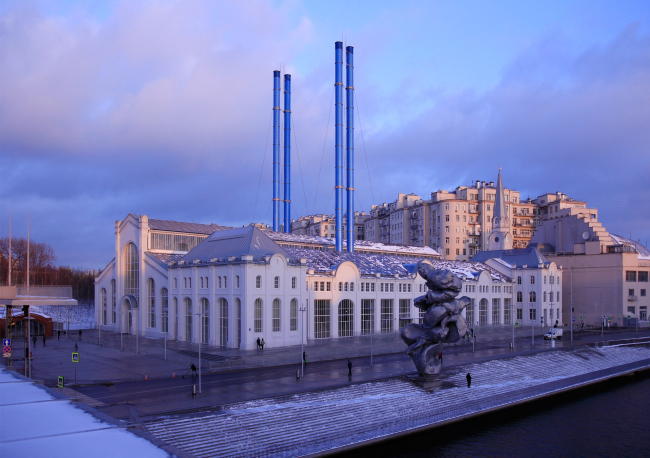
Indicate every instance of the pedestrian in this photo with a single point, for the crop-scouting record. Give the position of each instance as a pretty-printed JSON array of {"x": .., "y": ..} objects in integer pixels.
[
  {"x": 469, "y": 380},
  {"x": 193, "y": 369},
  {"x": 34, "y": 339},
  {"x": 259, "y": 344},
  {"x": 440, "y": 357},
  {"x": 262, "y": 343},
  {"x": 304, "y": 357},
  {"x": 76, "y": 347},
  {"x": 349, "y": 368},
  {"x": 58, "y": 334},
  {"x": 43, "y": 339},
  {"x": 79, "y": 334}
]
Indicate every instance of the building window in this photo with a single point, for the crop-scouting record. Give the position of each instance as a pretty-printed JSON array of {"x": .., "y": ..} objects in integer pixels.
[
  {"x": 258, "y": 283},
  {"x": 532, "y": 297},
  {"x": 457, "y": 251},
  {"x": 293, "y": 282},
  {"x": 164, "y": 304},
  {"x": 346, "y": 316},
  {"x": 206, "y": 281},
  {"x": 386, "y": 315},
  {"x": 520, "y": 296},
  {"x": 544, "y": 299},
  {"x": 496, "y": 311},
  {"x": 469, "y": 313},
  {"x": 321, "y": 319},
  {"x": 352, "y": 286},
  {"x": 205, "y": 321},
  {"x": 131, "y": 271},
  {"x": 345, "y": 286},
  {"x": 630, "y": 292},
  {"x": 520, "y": 314},
  {"x": 201, "y": 282},
  {"x": 558, "y": 296},
  {"x": 367, "y": 316},
  {"x": 188, "y": 319},
  {"x": 519, "y": 280},
  {"x": 258, "y": 315},
  {"x": 545, "y": 279},
  {"x": 113, "y": 302},
  {"x": 532, "y": 314},
  {"x": 189, "y": 282},
  {"x": 175, "y": 283},
  {"x": 404, "y": 312},
  {"x": 276, "y": 283},
  {"x": 643, "y": 292},
  {"x": 643, "y": 276},
  {"x": 482, "y": 311},
  {"x": 276, "y": 315},
  {"x": 151, "y": 302},
  {"x": 507, "y": 311},
  {"x": 340, "y": 286},
  {"x": 223, "y": 322},
  {"x": 631, "y": 310},
  {"x": 532, "y": 279},
  {"x": 236, "y": 281},
  {"x": 225, "y": 282},
  {"x": 104, "y": 305},
  {"x": 322, "y": 286},
  {"x": 372, "y": 287},
  {"x": 329, "y": 286},
  {"x": 630, "y": 275},
  {"x": 293, "y": 315}
]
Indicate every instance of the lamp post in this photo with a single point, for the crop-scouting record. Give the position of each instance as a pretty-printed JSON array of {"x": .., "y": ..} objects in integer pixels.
[
  {"x": 571, "y": 305},
  {"x": 302, "y": 310},
  {"x": 512, "y": 319},
  {"x": 165, "y": 335}
]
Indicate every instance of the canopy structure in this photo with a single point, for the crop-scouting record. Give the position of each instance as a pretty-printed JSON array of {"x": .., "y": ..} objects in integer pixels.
[{"x": 17, "y": 296}]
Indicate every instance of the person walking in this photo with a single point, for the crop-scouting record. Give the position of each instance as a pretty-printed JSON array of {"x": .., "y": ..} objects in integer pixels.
[
  {"x": 262, "y": 343},
  {"x": 43, "y": 339},
  {"x": 58, "y": 334},
  {"x": 349, "y": 368},
  {"x": 259, "y": 344},
  {"x": 304, "y": 357},
  {"x": 193, "y": 369},
  {"x": 79, "y": 334},
  {"x": 440, "y": 357},
  {"x": 34, "y": 339},
  {"x": 469, "y": 380}
]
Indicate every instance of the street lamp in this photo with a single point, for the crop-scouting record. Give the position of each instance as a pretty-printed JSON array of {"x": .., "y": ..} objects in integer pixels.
[
  {"x": 372, "y": 329},
  {"x": 302, "y": 310}
]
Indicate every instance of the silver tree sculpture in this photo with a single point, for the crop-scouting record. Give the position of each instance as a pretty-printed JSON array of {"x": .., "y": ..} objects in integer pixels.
[{"x": 442, "y": 321}]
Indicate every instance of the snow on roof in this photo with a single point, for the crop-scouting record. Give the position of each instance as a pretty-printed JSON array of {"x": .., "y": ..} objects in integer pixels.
[
  {"x": 642, "y": 251},
  {"x": 40, "y": 424},
  {"x": 164, "y": 258},
  {"x": 363, "y": 245},
  {"x": 387, "y": 266},
  {"x": 515, "y": 257}
]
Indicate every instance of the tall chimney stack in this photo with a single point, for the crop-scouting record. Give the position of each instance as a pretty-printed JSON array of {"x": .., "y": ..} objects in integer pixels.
[
  {"x": 338, "y": 143},
  {"x": 287, "y": 153},
  {"x": 276, "y": 150},
  {"x": 349, "y": 92}
]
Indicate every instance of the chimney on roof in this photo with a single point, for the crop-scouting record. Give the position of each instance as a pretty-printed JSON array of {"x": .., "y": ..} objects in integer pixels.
[
  {"x": 349, "y": 92},
  {"x": 338, "y": 142},
  {"x": 287, "y": 153},
  {"x": 276, "y": 150}
]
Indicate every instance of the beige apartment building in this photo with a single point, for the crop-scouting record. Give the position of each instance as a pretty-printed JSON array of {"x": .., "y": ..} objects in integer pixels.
[{"x": 325, "y": 225}]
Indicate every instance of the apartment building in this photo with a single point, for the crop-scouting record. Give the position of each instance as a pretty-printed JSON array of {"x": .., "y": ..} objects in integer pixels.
[{"x": 325, "y": 225}]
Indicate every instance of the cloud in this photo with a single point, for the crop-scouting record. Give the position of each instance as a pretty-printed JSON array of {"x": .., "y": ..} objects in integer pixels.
[{"x": 164, "y": 108}]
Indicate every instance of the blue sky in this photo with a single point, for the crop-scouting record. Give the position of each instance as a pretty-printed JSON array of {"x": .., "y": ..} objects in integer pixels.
[{"x": 163, "y": 108}]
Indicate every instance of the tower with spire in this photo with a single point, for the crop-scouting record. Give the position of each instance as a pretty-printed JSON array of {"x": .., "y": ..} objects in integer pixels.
[{"x": 500, "y": 238}]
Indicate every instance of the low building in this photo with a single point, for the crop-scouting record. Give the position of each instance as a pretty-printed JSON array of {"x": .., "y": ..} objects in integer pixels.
[{"x": 235, "y": 285}]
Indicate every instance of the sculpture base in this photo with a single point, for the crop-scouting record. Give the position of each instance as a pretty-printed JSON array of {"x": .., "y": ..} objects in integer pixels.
[{"x": 425, "y": 381}]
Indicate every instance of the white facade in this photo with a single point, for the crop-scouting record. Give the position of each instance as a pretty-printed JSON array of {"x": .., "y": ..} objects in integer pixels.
[{"x": 249, "y": 283}]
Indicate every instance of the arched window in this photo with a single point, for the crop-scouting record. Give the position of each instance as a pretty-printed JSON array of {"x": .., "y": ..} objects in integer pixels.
[
  {"x": 113, "y": 302},
  {"x": 164, "y": 304},
  {"x": 520, "y": 296},
  {"x": 545, "y": 279},
  {"x": 483, "y": 312},
  {"x": 258, "y": 283},
  {"x": 519, "y": 280},
  {"x": 351, "y": 286},
  {"x": 258, "y": 315},
  {"x": 544, "y": 299},
  {"x": 223, "y": 322},
  {"x": 346, "y": 317},
  {"x": 151, "y": 302},
  {"x": 131, "y": 271},
  {"x": 103, "y": 301},
  {"x": 558, "y": 279},
  {"x": 340, "y": 286},
  {"x": 532, "y": 280},
  {"x": 276, "y": 315},
  {"x": 206, "y": 282},
  {"x": 276, "y": 282},
  {"x": 188, "y": 319},
  {"x": 225, "y": 281},
  {"x": 558, "y": 296},
  {"x": 236, "y": 281},
  {"x": 175, "y": 283},
  {"x": 533, "y": 296},
  {"x": 238, "y": 308},
  {"x": 205, "y": 321},
  {"x": 345, "y": 288},
  {"x": 201, "y": 282},
  {"x": 219, "y": 282},
  {"x": 293, "y": 282},
  {"x": 293, "y": 315},
  {"x": 189, "y": 281}
]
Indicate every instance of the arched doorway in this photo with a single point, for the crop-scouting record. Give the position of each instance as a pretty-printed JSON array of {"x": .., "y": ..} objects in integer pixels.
[
  {"x": 129, "y": 315},
  {"x": 346, "y": 318}
]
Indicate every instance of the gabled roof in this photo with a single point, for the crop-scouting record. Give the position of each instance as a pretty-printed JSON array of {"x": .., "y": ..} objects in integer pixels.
[
  {"x": 241, "y": 241},
  {"x": 517, "y": 257},
  {"x": 177, "y": 226}
]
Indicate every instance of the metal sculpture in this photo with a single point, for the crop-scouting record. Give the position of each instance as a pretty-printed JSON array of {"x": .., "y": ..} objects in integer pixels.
[{"x": 442, "y": 321}]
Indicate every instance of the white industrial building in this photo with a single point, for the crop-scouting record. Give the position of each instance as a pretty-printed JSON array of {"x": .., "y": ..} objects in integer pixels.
[{"x": 227, "y": 287}]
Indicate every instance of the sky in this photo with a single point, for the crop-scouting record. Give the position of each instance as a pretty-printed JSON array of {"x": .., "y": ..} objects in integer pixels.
[{"x": 163, "y": 108}]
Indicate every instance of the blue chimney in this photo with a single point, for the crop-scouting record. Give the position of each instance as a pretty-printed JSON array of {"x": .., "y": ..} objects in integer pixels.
[
  {"x": 349, "y": 92},
  {"x": 338, "y": 143},
  {"x": 276, "y": 150},
  {"x": 287, "y": 153}
]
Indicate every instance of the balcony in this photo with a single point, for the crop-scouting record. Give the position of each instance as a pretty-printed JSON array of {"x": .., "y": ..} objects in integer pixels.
[
  {"x": 473, "y": 210},
  {"x": 632, "y": 298}
]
